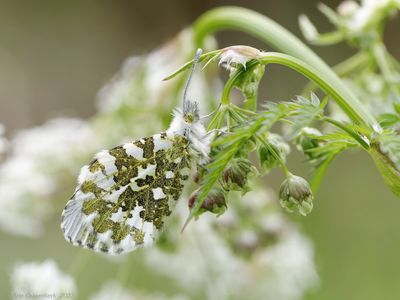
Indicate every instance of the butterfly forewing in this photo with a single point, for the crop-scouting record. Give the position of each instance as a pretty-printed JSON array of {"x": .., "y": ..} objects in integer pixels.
[{"x": 125, "y": 194}]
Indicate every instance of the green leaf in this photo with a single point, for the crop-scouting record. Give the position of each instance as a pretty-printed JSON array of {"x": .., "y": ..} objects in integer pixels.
[
  {"x": 332, "y": 144},
  {"x": 388, "y": 120},
  {"x": 388, "y": 170},
  {"x": 303, "y": 112}
]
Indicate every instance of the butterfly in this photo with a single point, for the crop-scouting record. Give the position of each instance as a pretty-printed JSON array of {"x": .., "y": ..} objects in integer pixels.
[{"x": 125, "y": 194}]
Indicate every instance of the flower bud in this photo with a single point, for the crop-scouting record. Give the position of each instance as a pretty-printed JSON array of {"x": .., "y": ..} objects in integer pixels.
[
  {"x": 308, "y": 140},
  {"x": 233, "y": 57},
  {"x": 236, "y": 175},
  {"x": 214, "y": 202},
  {"x": 196, "y": 177},
  {"x": 295, "y": 192},
  {"x": 267, "y": 159},
  {"x": 348, "y": 8}
]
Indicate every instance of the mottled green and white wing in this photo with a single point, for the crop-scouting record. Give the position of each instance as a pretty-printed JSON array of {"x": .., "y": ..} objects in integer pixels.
[{"x": 125, "y": 194}]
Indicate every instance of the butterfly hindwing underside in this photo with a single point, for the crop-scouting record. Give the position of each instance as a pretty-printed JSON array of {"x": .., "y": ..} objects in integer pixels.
[{"x": 125, "y": 194}]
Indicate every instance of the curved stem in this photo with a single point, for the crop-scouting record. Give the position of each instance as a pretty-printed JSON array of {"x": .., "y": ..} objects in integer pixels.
[
  {"x": 355, "y": 63},
  {"x": 272, "y": 33},
  {"x": 316, "y": 76},
  {"x": 353, "y": 134}
]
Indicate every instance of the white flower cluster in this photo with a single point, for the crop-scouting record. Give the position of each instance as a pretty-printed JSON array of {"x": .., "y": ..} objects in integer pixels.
[
  {"x": 113, "y": 290},
  {"x": 359, "y": 17},
  {"x": 205, "y": 261},
  {"x": 41, "y": 280},
  {"x": 354, "y": 21},
  {"x": 28, "y": 179},
  {"x": 140, "y": 81}
]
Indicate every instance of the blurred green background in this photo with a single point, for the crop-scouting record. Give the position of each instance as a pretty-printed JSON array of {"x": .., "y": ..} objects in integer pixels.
[{"x": 55, "y": 55}]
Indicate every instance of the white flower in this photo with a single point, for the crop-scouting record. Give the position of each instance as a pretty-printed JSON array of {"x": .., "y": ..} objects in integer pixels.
[
  {"x": 205, "y": 260},
  {"x": 114, "y": 291},
  {"x": 28, "y": 178},
  {"x": 202, "y": 262},
  {"x": 234, "y": 56},
  {"x": 41, "y": 280},
  {"x": 347, "y": 8},
  {"x": 140, "y": 82},
  {"x": 286, "y": 269},
  {"x": 368, "y": 13}
]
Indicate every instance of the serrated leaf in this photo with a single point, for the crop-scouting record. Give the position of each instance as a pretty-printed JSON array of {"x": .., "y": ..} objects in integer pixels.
[{"x": 303, "y": 112}]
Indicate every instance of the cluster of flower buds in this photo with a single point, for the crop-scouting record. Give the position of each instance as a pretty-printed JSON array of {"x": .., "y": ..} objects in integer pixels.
[{"x": 295, "y": 193}]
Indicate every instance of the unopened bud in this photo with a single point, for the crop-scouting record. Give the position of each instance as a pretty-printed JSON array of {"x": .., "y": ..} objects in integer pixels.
[
  {"x": 237, "y": 173},
  {"x": 267, "y": 158},
  {"x": 295, "y": 192},
  {"x": 308, "y": 140},
  {"x": 214, "y": 202},
  {"x": 348, "y": 8},
  {"x": 233, "y": 57}
]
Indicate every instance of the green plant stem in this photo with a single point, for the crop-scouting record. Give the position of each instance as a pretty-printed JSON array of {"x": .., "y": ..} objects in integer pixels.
[
  {"x": 345, "y": 68},
  {"x": 382, "y": 58},
  {"x": 267, "y": 30},
  {"x": 316, "y": 76},
  {"x": 353, "y": 134}
]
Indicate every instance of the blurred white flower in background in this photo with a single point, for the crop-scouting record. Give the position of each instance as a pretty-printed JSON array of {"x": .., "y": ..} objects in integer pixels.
[
  {"x": 140, "y": 86},
  {"x": 112, "y": 290},
  {"x": 287, "y": 268},
  {"x": 41, "y": 280},
  {"x": 37, "y": 158},
  {"x": 355, "y": 21},
  {"x": 366, "y": 14},
  {"x": 224, "y": 259}
]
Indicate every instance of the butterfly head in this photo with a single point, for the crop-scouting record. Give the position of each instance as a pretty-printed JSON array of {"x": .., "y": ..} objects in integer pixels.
[{"x": 186, "y": 121}]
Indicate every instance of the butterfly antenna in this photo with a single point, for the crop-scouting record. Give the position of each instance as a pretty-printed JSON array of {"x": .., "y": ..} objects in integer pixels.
[{"x": 195, "y": 61}]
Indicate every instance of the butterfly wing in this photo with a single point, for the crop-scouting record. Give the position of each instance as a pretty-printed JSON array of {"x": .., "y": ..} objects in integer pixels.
[{"x": 125, "y": 194}]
